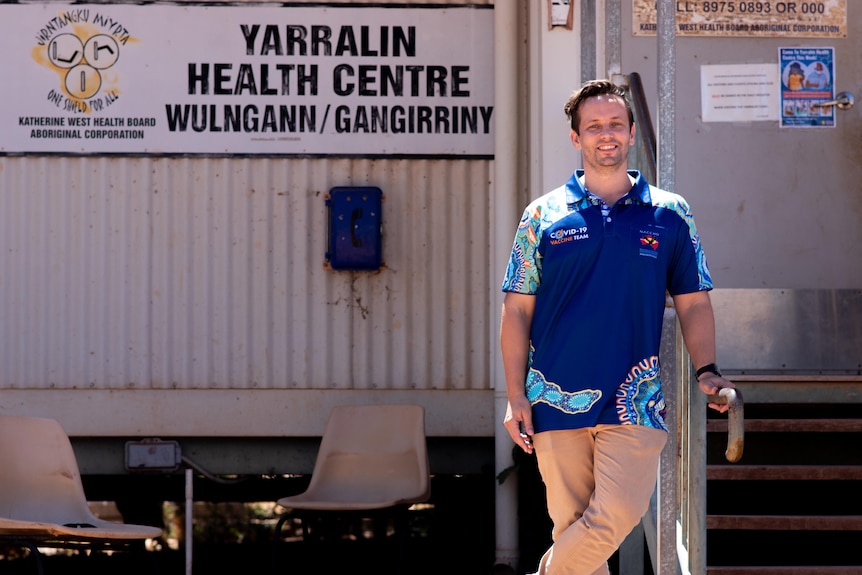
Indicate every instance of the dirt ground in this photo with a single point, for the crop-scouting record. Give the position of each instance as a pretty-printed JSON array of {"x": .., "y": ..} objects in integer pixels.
[
  {"x": 419, "y": 558},
  {"x": 452, "y": 534}
]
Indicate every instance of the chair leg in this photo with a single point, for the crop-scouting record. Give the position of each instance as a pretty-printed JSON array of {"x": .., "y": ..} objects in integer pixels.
[
  {"x": 276, "y": 540},
  {"x": 37, "y": 556},
  {"x": 34, "y": 553},
  {"x": 402, "y": 537}
]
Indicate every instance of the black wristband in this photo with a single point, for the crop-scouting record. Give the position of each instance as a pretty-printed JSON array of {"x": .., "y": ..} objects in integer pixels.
[{"x": 710, "y": 367}]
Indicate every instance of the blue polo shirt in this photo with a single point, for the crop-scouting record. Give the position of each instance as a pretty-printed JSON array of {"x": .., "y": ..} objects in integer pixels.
[{"x": 601, "y": 282}]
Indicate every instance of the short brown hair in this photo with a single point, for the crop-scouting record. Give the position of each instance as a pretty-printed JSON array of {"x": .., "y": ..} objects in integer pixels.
[{"x": 589, "y": 90}]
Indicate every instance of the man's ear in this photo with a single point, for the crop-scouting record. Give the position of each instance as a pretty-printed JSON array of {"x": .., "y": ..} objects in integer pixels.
[
  {"x": 576, "y": 140},
  {"x": 632, "y": 138}
]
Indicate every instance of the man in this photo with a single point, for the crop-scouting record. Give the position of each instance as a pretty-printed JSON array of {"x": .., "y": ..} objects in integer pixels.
[
  {"x": 818, "y": 78},
  {"x": 586, "y": 288}
]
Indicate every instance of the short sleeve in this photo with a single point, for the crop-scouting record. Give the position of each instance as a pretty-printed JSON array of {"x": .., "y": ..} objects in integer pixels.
[{"x": 523, "y": 272}]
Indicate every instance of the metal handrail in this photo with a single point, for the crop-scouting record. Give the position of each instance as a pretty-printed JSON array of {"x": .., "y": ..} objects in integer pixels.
[
  {"x": 674, "y": 528},
  {"x": 735, "y": 421},
  {"x": 646, "y": 143},
  {"x": 675, "y": 525}
]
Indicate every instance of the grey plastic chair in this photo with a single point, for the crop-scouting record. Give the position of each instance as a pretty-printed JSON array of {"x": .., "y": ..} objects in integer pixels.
[
  {"x": 371, "y": 457},
  {"x": 42, "y": 500}
]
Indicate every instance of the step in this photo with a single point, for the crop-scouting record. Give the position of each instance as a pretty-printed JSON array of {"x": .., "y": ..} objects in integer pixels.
[
  {"x": 785, "y": 397},
  {"x": 786, "y": 522},
  {"x": 795, "y": 570},
  {"x": 784, "y": 472},
  {"x": 791, "y": 425}
]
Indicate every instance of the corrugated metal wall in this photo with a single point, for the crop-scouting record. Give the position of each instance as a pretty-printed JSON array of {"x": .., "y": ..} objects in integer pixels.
[{"x": 160, "y": 273}]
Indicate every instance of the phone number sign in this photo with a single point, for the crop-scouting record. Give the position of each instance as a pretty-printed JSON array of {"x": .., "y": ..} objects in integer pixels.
[{"x": 745, "y": 18}]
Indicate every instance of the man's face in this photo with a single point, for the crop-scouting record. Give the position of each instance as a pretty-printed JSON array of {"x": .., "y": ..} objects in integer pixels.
[{"x": 605, "y": 136}]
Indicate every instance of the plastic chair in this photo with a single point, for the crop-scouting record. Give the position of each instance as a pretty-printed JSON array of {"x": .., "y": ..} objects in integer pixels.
[
  {"x": 42, "y": 500},
  {"x": 371, "y": 457}
]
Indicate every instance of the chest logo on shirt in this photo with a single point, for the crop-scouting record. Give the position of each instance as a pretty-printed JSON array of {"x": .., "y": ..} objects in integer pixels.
[
  {"x": 568, "y": 235},
  {"x": 649, "y": 245}
]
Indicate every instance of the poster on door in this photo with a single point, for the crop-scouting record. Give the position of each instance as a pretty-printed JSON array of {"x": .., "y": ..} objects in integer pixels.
[{"x": 807, "y": 87}]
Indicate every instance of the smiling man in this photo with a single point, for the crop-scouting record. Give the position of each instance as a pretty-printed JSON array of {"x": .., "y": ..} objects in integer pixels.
[{"x": 586, "y": 285}]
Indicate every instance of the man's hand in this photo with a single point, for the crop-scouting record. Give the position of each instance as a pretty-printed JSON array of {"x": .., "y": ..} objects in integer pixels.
[
  {"x": 519, "y": 423},
  {"x": 711, "y": 384}
]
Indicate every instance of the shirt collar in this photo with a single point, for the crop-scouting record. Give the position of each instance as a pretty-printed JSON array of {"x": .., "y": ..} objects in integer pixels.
[{"x": 577, "y": 197}]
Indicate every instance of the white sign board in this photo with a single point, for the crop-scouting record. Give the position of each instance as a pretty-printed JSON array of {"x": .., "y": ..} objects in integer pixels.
[
  {"x": 247, "y": 80},
  {"x": 739, "y": 92}
]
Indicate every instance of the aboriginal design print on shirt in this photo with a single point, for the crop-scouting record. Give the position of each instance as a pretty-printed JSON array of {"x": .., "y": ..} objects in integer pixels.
[{"x": 639, "y": 398}]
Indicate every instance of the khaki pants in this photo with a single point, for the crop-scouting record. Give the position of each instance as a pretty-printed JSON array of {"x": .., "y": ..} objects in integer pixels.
[{"x": 598, "y": 482}]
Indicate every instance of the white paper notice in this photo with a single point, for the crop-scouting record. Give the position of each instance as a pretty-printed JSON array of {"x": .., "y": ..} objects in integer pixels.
[{"x": 739, "y": 92}]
